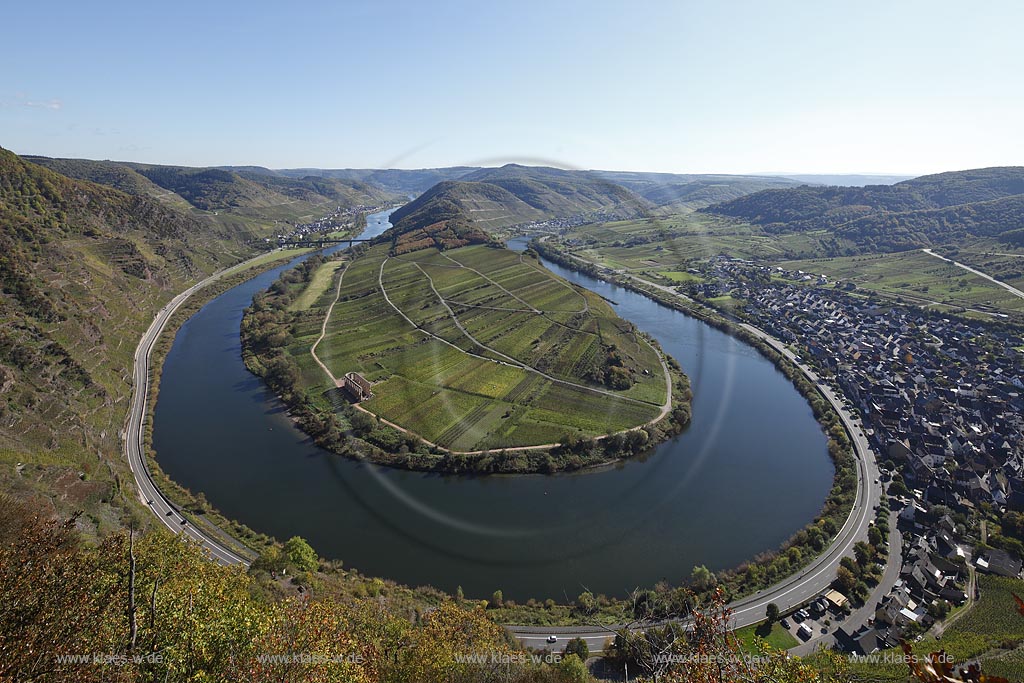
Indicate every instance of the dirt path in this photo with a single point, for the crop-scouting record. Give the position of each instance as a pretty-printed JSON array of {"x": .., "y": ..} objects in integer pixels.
[{"x": 323, "y": 328}]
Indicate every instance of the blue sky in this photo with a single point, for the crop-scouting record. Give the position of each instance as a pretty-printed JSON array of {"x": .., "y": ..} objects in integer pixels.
[{"x": 899, "y": 86}]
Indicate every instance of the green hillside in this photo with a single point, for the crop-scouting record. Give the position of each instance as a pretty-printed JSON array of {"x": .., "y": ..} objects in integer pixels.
[
  {"x": 83, "y": 269},
  {"x": 249, "y": 201},
  {"x": 494, "y": 198},
  {"x": 932, "y": 210},
  {"x": 488, "y": 205},
  {"x": 681, "y": 191},
  {"x": 558, "y": 192}
]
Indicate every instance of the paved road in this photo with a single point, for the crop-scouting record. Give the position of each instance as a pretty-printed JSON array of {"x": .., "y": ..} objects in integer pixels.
[
  {"x": 813, "y": 579},
  {"x": 1012, "y": 290},
  {"x": 134, "y": 447}
]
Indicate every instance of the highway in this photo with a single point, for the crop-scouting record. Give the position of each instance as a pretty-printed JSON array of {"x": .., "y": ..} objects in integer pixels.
[
  {"x": 132, "y": 437},
  {"x": 797, "y": 589}
]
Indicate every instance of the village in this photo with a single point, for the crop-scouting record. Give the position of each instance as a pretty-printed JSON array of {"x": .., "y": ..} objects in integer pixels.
[
  {"x": 342, "y": 218},
  {"x": 941, "y": 401}
]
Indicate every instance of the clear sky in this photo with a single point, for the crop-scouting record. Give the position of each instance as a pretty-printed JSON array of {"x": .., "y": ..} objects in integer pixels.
[{"x": 820, "y": 86}]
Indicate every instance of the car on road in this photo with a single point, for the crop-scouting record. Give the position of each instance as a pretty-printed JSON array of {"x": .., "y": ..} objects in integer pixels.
[{"x": 552, "y": 639}]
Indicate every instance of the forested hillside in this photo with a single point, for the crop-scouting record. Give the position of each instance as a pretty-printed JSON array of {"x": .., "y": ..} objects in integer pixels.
[
  {"x": 684, "y": 192},
  {"x": 217, "y": 189},
  {"x": 928, "y": 211}
]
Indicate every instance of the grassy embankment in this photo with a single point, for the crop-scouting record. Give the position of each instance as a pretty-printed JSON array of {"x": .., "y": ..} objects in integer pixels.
[
  {"x": 195, "y": 506},
  {"x": 776, "y": 636}
]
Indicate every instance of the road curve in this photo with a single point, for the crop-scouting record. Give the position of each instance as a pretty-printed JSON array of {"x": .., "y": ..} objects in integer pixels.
[
  {"x": 798, "y": 588},
  {"x": 132, "y": 440}
]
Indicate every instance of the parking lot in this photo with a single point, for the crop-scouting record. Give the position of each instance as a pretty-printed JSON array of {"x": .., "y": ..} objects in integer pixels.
[{"x": 813, "y": 622}]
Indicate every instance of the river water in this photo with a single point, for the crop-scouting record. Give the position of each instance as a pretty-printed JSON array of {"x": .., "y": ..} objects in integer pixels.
[{"x": 750, "y": 471}]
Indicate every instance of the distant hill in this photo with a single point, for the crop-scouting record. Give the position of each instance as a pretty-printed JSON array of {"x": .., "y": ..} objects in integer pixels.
[
  {"x": 925, "y": 211},
  {"x": 496, "y": 198},
  {"x": 401, "y": 181},
  {"x": 218, "y": 189},
  {"x": 481, "y": 203},
  {"x": 559, "y": 192},
  {"x": 115, "y": 174},
  {"x": 674, "y": 191},
  {"x": 848, "y": 179},
  {"x": 681, "y": 191},
  {"x": 83, "y": 268}
]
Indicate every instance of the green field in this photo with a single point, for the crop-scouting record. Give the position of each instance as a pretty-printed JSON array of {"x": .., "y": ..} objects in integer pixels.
[
  {"x": 479, "y": 348},
  {"x": 778, "y": 638},
  {"x": 917, "y": 278},
  {"x": 672, "y": 242},
  {"x": 317, "y": 287}
]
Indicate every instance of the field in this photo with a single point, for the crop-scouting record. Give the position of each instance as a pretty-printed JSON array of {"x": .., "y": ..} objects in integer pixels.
[
  {"x": 918, "y": 278},
  {"x": 317, "y": 287},
  {"x": 670, "y": 242},
  {"x": 778, "y": 638},
  {"x": 478, "y": 348}
]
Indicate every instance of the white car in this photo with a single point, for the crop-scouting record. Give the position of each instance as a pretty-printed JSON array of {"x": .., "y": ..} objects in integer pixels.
[{"x": 552, "y": 639}]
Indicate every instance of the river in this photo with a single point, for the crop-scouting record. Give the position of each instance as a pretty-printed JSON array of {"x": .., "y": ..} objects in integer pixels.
[{"x": 751, "y": 470}]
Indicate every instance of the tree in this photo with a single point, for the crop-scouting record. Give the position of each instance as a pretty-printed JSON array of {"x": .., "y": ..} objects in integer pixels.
[
  {"x": 863, "y": 553},
  {"x": 362, "y": 424},
  {"x": 701, "y": 578},
  {"x": 586, "y": 603},
  {"x": 772, "y": 612},
  {"x": 497, "y": 599},
  {"x": 301, "y": 554},
  {"x": 875, "y": 536},
  {"x": 846, "y": 580},
  {"x": 898, "y": 487},
  {"x": 573, "y": 670},
  {"x": 578, "y": 647},
  {"x": 270, "y": 560}
]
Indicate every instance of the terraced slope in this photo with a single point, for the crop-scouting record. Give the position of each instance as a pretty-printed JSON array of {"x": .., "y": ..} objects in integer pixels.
[{"x": 479, "y": 348}]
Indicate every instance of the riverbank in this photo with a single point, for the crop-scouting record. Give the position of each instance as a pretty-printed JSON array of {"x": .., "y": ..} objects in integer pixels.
[
  {"x": 193, "y": 506},
  {"x": 834, "y": 519}
]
